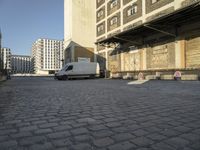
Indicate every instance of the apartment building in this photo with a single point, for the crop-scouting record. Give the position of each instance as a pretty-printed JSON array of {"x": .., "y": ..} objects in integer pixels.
[
  {"x": 148, "y": 36},
  {"x": 47, "y": 56},
  {"x": 5, "y": 55},
  {"x": 79, "y": 30},
  {"x": 20, "y": 64},
  {"x": 1, "y": 60}
]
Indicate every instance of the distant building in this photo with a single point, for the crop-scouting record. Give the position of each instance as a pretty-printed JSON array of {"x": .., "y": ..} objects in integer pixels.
[
  {"x": 47, "y": 56},
  {"x": 5, "y": 58},
  {"x": 20, "y": 64},
  {"x": 1, "y": 60},
  {"x": 79, "y": 30}
]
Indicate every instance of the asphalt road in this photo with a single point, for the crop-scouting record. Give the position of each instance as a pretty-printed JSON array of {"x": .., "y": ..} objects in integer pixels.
[{"x": 99, "y": 114}]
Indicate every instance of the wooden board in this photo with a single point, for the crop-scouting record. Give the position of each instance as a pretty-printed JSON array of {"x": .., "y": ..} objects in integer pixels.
[{"x": 193, "y": 53}]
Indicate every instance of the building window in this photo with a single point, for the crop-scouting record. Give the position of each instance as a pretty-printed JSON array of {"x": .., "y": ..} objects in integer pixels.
[
  {"x": 100, "y": 28},
  {"x": 100, "y": 13},
  {"x": 154, "y": 1},
  {"x": 113, "y": 21},
  {"x": 113, "y": 3},
  {"x": 133, "y": 10}
]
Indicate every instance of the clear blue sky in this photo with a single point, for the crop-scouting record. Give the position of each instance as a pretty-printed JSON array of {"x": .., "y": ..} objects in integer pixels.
[{"x": 24, "y": 21}]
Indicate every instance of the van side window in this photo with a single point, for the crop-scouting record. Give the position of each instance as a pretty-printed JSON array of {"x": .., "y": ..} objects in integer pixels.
[{"x": 69, "y": 68}]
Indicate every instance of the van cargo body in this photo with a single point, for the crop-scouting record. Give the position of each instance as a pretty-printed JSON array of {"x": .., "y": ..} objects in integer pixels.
[{"x": 78, "y": 70}]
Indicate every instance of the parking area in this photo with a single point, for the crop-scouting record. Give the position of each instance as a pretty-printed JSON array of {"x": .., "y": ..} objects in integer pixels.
[{"x": 99, "y": 114}]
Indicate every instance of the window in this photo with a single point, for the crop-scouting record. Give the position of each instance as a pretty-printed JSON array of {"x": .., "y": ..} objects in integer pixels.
[
  {"x": 100, "y": 28},
  {"x": 113, "y": 3},
  {"x": 133, "y": 10},
  {"x": 100, "y": 13},
  {"x": 98, "y": 1},
  {"x": 69, "y": 68},
  {"x": 154, "y": 1},
  {"x": 113, "y": 21}
]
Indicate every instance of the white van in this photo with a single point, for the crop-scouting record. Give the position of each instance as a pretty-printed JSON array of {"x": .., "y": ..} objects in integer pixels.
[{"x": 78, "y": 70}]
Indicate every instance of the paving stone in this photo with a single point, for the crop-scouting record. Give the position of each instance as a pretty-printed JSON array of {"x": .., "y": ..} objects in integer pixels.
[
  {"x": 122, "y": 146},
  {"x": 102, "y": 133},
  {"x": 61, "y": 134},
  {"x": 48, "y": 125},
  {"x": 62, "y": 143},
  {"x": 43, "y": 131},
  {"x": 177, "y": 142},
  {"x": 4, "y": 138},
  {"x": 62, "y": 127},
  {"x": 142, "y": 141},
  {"x": 82, "y": 138},
  {"x": 97, "y": 127},
  {"x": 82, "y": 146},
  {"x": 113, "y": 124},
  {"x": 122, "y": 137},
  {"x": 45, "y": 146},
  {"x": 162, "y": 146},
  {"x": 29, "y": 128},
  {"x": 32, "y": 140},
  {"x": 79, "y": 131},
  {"x": 8, "y": 144},
  {"x": 140, "y": 132},
  {"x": 21, "y": 134},
  {"x": 103, "y": 142},
  {"x": 102, "y": 112},
  {"x": 156, "y": 137},
  {"x": 7, "y": 131}
]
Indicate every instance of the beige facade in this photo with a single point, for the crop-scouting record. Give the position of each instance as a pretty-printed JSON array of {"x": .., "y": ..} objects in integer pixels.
[
  {"x": 79, "y": 29},
  {"x": 133, "y": 41}
]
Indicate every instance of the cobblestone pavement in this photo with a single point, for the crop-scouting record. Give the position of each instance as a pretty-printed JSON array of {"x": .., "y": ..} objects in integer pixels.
[{"x": 42, "y": 113}]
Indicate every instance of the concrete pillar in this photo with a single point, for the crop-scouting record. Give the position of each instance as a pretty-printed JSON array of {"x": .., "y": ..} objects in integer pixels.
[
  {"x": 122, "y": 61},
  {"x": 144, "y": 59},
  {"x": 179, "y": 53},
  {"x": 106, "y": 56}
]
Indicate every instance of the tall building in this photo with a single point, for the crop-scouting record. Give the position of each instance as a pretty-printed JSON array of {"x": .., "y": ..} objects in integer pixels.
[
  {"x": 1, "y": 59},
  {"x": 20, "y": 64},
  {"x": 148, "y": 36},
  {"x": 47, "y": 56},
  {"x": 6, "y": 58},
  {"x": 79, "y": 30}
]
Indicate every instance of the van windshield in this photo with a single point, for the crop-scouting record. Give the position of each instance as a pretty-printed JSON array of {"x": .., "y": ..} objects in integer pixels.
[{"x": 64, "y": 68}]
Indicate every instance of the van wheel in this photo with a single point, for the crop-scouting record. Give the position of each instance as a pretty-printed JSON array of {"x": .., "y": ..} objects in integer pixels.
[
  {"x": 64, "y": 77},
  {"x": 92, "y": 76}
]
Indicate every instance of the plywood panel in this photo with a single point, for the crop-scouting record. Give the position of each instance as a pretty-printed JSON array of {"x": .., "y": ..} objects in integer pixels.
[
  {"x": 193, "y": 53},
  {"x": 161, "y": 56},
  {"x": 132, "y": 61}
]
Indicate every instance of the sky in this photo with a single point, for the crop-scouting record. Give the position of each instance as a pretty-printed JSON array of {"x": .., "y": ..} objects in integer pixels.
[{"x": 22, "y": 22}]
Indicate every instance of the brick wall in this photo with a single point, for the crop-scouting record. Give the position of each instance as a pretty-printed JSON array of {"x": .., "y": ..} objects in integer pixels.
[
  {"x": 100, "y": 3},
  {"x": 114, "y": 61},
  {"x": 161, "y": 56},
  {"x": 83, "y": 52},
  {"x": 151, "y": 7},
  {"x": 102, "y": 31},
  {"x": 160, "y": 14},
  {"x": 101, "y": 17},
  {"x": 138, "y": 14},
  {"x": 111, "y": 27},
  {"x": 114, "y": 9},
  {"x": 126, "y": 2},
  {"x": 188, "y": 2}
]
